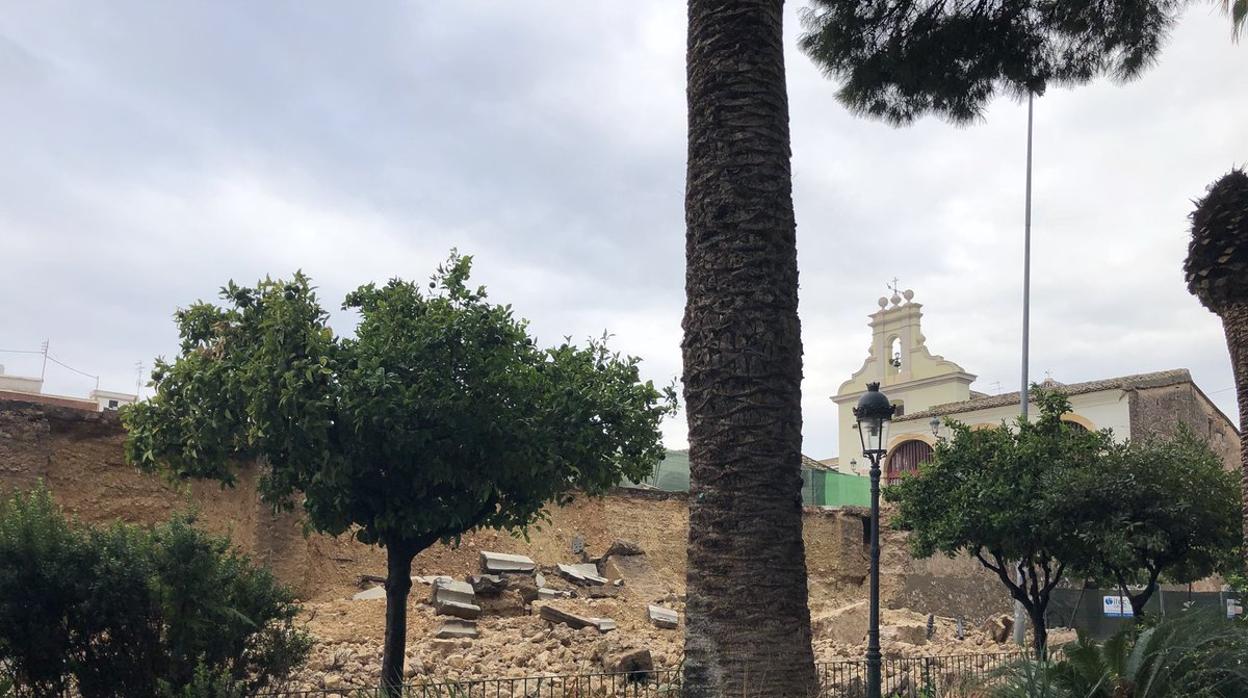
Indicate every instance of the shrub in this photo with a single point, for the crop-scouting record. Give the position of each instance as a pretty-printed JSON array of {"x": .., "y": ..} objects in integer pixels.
[
  {"x": 124, "y": 611},
  {"x": 1191, "y": 654}
]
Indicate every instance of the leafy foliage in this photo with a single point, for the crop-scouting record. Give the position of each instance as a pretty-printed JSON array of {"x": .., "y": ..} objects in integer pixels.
[
  {"x": 994, "y": 493},
  {"x": 902, "y": 59},
  {"x": 1237, "y": 10},
  {"x": 1191, "y": 654},
  {"x": 439, "y": 416},
  {"x": 127, "y": 611},
  {"x": 1217, "y": 256},
  {"x": 1159, "y": 507}
]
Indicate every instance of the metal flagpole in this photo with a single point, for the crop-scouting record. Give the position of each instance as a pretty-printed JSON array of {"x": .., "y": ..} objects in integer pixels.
[{"x": 1020, "y": 616}]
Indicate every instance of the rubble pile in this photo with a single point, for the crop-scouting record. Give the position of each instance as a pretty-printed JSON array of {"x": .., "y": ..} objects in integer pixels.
[{"x": 517, "y": 618}]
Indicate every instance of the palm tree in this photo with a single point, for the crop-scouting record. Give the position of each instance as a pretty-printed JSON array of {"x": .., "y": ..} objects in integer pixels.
[
  {"x": 1237, "y": 10},
  {"x": 1217, "y": 273},
  {"x": 748, "y": 625}
]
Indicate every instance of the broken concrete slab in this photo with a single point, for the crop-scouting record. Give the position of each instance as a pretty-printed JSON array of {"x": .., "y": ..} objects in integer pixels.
[
  {"x": 540, "y": 579},
  {"x": 487, "y": 584},
  {"x": 663, "y": 617},
  {"x": 585, "y": 573},
  {"x": 555, "y": 615},
  {"x": 601, "y": 591},
  {"x": 604, "y": 625},
  {"x": 447, "y": 589},
  {"x": 370, "y": 594},
  {"x": 546, "y": 594},
  {"x": 458, "y": 630},
  {"x": 503, "y": 562},
  {"x": 467, "y": 611}
]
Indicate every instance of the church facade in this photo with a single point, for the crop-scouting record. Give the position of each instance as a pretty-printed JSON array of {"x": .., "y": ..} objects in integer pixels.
[{"x": 928, "y": 389}]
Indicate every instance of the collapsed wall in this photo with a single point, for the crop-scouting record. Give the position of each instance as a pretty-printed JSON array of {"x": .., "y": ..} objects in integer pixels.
[{"x": 78, "y": 455}]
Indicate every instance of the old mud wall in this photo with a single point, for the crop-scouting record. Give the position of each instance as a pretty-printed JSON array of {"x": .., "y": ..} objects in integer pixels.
[{"x": 79, "y": 456}]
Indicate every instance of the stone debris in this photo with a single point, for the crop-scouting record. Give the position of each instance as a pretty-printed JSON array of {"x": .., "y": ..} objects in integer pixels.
[
  {"x": 446, "y": 589},
  {"x": 503, "y": 562},
  {"x": 467, "y": 611},
  {"x": 999, "y": 628},
  {"x": 487, "y": 584},
  {"x": 585, "y": 573},
  {"x": 370, "y": 594},
  {"x": 634, "y": 662},
  {"x": 624, "y": 547},
  {"x": 911, "y": 633},
  {"x": 845, "y": 625},
  {"x": 604, "y": 625},
  {"x": 540, "y": 580},
  {"x": 546, "y": 594},
  {"x": 458, "y": 629},
  {"x": 664, "y": 618},
  {"x": 555, "y": 615},
  {"x": 430, "y": 580}
]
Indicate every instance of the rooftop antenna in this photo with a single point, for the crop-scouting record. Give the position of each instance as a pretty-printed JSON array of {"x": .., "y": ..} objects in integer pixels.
[
  {"x": 44, "y": 371},
  {"x": 138, "y": 379}
]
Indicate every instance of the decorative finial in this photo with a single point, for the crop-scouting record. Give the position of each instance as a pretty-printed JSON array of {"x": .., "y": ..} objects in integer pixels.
[
  {"x": 908, "y": 295},
  {"x": 883, "y": 302}
]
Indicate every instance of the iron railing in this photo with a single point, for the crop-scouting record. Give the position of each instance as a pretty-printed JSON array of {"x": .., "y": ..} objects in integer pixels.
[
  {"x": 903, "y": 677},
  {"x": 914, "y": 677}
]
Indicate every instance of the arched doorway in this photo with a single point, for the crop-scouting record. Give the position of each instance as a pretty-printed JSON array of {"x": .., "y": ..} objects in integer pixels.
[{"x": 905, "y": 458}]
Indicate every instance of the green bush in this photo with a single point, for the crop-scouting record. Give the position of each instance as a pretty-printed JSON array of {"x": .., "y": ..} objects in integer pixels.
[
  {"x": 1187, "y": 655},
  {"x": 124, "y": 611}
]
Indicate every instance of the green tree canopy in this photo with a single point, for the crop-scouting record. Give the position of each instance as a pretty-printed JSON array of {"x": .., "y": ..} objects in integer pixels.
[
  {"x": 901, "y": 59},
  {"x": 993, "y": 493},
  {"x": 1156, "y": 508},
  {"x": 439, "y": 416}
]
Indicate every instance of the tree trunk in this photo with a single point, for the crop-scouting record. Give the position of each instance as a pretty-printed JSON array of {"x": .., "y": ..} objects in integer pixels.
[
  {"x": 748, "y": 625},
  {"x": 1235, "y": 324},
  {"x": 398, "y": 585},
  {"x": 1140, "y": 600},
  {"x": 1039, "y": 630}
]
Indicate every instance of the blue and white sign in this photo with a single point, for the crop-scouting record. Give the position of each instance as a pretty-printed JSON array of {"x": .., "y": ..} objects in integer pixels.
[
  {"x": 1117, "y": 607},
  {"x": 1233, "y": 608}
]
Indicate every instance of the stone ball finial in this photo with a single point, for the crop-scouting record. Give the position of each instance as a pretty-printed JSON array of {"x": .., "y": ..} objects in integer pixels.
[
  {"x": 908, "y": 295},
  {"x": 883, "y": 302},
  {"x": 896, "y": 299}
]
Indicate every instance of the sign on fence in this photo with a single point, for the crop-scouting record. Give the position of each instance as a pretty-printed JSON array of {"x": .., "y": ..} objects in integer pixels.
[{"x": 1117, "y": 607}]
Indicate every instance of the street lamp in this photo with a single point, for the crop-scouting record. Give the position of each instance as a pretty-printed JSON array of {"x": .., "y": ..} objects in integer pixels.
[{"x": 874, "y": 412}]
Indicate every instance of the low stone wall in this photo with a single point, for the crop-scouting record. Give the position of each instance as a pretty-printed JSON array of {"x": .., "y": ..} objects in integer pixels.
[{"x": 78, "y": 455}]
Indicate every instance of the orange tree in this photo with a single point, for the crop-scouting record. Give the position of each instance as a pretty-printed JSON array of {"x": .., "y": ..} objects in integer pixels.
[
  {"x": 439, "y": 416},
  {"x": 997, "y": 495}
]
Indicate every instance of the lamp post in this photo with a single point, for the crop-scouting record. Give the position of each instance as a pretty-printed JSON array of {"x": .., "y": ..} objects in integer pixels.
[{"x": 874, "y": 413}]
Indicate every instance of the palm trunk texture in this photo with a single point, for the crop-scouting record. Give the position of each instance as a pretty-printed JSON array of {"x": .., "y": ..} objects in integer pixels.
[
  {"x": 1235, "y": 324},
  {"x": 748, "y": 624}
]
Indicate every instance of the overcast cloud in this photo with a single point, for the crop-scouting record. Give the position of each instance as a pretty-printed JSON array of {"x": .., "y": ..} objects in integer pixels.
[{"x": 151, "y": 151}]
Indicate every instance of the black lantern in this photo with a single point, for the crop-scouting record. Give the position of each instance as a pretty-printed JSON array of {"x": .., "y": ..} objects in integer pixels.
[{"x": 874, "y": 413}]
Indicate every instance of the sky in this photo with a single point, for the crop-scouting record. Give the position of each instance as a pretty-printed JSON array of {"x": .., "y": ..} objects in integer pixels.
[{"x": 150, "y": 152}]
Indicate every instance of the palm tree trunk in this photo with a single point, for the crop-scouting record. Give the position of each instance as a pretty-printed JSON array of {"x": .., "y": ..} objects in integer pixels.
[
  {"x": 1235, "y": 324},
  {"x": 398, "y": 586},
  {"x": 748, "y": 625}
]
